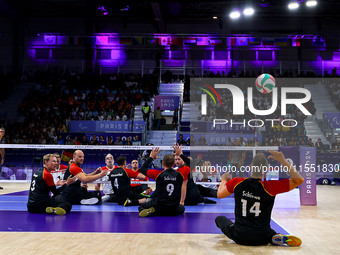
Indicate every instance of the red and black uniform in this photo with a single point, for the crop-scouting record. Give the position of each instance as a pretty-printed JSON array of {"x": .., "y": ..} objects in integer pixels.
[
  {"x": 74, "y": 193},
  {"x": 139, "y": 188},
  {"x": 167, "y": 197},
  {"x": 254, "y": 201},
  {"x": 121, "y": 184},
  {"x": 193, "y": 196},
  {"x": 39, "y": 195},
  {"x": 58, "y": 174}
]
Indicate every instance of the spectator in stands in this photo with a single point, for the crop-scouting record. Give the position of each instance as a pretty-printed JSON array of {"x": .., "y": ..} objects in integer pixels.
[
  {"x": 68, "y": 140},
  {"x": 175, "y": 119},
  {"x": 181, "y": 141},
  {"x": 84, "y": 140},
  {"x": 118, "y": 141},
  {"x": 94, "y": 140},
  {"x": 60, "y": 140},
  {"x": 158, "y": 117},
  {"x": 136, "y": 141},
  {"x": 292, "y": 142},
  {"x": 191, "y": 140},
  {"x": 202, "y": 141},
  {"x": 310, "y": 143},
  {"x": 146, "y": 114},
  {"x": 319, "y": 145},
  {"x": 102, "y": 140},
  {"x": 128, "y": 141},
  {"x": 241, "y": 142},
  {"x": 110, "y": 141},
  {"x": 336, "y": 146}
]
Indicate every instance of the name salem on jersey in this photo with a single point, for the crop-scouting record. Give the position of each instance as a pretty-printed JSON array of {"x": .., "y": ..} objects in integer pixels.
[
  {"x": 247, "y": 194},
  {"x": 116, "y": 175}
]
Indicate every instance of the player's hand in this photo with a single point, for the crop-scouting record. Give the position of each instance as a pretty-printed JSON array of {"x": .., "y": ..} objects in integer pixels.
[
  {"x": 129, "y": 166},
  {"x": 277, "y": 155},
  {"x": 71, "y": 180},
  {"x": 155, "y": 152},
  {"x": 98, "y": 170},
  {"x": 2, "y": 161},
  {"x": 178, "y": 149},
  {"x": 226, "y": 177},
  {"x": 84, "y": 185},
  {"x": 104, "y": 173},
  {"x": 60, "y": 183}
]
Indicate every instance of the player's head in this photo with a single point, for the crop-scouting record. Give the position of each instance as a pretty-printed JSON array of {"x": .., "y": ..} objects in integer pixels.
[
  {"x": 134, "y": 164},
  {"x": 78, "y": 157},
  {"x": 2, "y": 132},
  {"x": 179, "y": 161},
  {"x": 258, "y": 165},
  {"x": 70, "y": 161},
  {"x": 109, "y": 160},
  {"x": 168, "y": 161},
  {"x": 58, "y": 158},
  {"x": 50, "y": 162},
  {"x": 121, "y": 161}
]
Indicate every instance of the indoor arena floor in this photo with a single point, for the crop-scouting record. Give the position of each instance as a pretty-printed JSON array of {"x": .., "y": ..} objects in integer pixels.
[{"x": 113, "y": 229}]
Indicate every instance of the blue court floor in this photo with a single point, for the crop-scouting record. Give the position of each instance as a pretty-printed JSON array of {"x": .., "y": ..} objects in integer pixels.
[{"x": 112, "y": 218}]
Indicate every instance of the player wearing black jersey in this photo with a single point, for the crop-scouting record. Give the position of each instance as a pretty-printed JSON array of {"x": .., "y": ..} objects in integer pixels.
[
  {"x": 121, "y": 184},
  {"x": 254, "y": 200},
  {"x": 168, "y": 198},
  {"x": 39, "y": 200}
]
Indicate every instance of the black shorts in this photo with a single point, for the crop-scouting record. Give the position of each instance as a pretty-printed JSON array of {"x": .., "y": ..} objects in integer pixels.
[
  {"x": 129, "y": 195},
  {"x": 40, "y": 206},
  {"x": 163, "y": 210}
]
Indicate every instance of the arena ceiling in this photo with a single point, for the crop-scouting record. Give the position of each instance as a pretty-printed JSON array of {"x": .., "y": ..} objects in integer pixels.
[{"x": 162, "y": 13}]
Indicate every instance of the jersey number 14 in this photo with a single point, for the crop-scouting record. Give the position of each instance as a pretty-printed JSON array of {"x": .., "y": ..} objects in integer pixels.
[{"x": 254, "y": 209}]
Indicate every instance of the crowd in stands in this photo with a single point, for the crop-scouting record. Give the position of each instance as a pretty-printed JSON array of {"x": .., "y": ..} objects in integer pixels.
[{"x": 60, "y": 97}]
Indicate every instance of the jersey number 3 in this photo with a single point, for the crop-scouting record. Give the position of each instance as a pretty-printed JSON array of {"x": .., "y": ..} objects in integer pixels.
[{"x": 254, "y": 209}]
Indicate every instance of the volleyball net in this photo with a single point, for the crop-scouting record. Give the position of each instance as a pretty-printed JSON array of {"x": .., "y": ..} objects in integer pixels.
[{"x": 208, "y": 163}]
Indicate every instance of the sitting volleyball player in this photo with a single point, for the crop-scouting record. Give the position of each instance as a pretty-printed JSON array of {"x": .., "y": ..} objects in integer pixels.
[
  {"x": 39, "y": 200},
  {"x": 209, "y": 174},
  {"x": 254, "y": 200},
  {"x": 109, "y": 195},
  {"x": 168, "y": 198}
]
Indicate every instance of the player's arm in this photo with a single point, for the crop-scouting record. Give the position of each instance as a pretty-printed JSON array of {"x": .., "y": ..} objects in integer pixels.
[
  {"x": 223, "y": 191},
  {"x": 178, "y": 152},
  {"x": 84, "y": 178},
  {"x": 295, "y": 177},
  {"x": 184, "y": 191},
  {"x": 141, "y": 176},
  {"x": 145, "y": 167}
]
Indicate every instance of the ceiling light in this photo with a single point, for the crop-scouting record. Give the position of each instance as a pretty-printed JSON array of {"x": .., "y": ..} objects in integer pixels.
[
  {"x": 293, "y": 5},
  {"x": 248, "y": 11},
  {"x": 235, "y": 15},
  {"x": 311, "y": 3}
]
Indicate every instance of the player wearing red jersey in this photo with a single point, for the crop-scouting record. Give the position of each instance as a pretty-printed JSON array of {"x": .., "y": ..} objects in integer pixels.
[
  {"x": 139, "y": 188},
  {"x": 58, "y": 173},
  {"x": 74, "y": 193},
  {"x": 254, "y": 200}
]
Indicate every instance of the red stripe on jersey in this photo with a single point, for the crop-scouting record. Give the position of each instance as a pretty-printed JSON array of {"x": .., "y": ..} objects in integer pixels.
[
  {"x": 130, "y": 173},
  {"x": 48, "y": 178},
  {"x": 62, "y": 167},
  {"x": 74, "y": 169},
  {"x": 275, "y": 187},
  {"x": 153, "y": 173},
  {"x": 233, "y": 183},
  {"x": 184, "y": 171}
]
